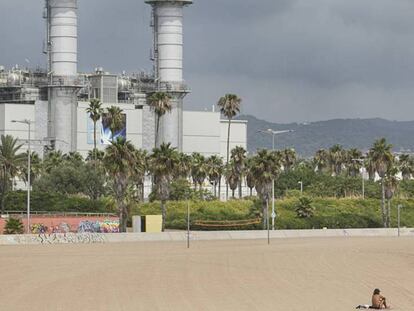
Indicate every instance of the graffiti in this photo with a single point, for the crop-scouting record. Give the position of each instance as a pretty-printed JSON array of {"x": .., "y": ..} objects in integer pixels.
[
  {"x": 38, "y": 229},
  {"x": 89, "y": 226},
  {"x": 109, "y": 226},
  {"x": 60, "y": 238}
]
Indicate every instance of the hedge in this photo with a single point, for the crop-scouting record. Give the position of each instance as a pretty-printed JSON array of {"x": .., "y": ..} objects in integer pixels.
[
  {"x": 330, "y": 213},
  {"x": 53, "y": 202}
]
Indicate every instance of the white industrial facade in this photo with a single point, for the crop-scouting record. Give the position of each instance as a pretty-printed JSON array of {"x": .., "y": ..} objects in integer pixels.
[
  {"x": 203, "y": 132},
  {"x": 56, "y": 98}
]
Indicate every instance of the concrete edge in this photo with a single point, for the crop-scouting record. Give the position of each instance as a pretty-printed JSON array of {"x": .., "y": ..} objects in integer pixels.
[{"x": 93, "y": 238}]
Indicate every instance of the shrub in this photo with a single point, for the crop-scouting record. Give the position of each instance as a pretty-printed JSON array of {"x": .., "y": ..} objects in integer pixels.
[
  {"x": 304, "y": 208},
  {"x": 13, "y": 226}
]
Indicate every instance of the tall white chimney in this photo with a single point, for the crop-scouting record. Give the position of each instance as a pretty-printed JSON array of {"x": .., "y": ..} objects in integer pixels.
[
  {"x": 168, "y": 64},
  {"x": 62, "y": 43}
]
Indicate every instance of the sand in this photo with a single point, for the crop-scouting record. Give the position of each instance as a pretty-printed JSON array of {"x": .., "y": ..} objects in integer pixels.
[{"x": 292, "y": 274}]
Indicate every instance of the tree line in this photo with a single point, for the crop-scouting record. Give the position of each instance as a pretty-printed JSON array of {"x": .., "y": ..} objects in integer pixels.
[{"x": 120, "y": 171}]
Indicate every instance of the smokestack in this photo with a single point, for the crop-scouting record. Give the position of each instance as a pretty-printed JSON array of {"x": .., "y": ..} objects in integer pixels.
[
  {"x": 62, "y": 47},
  {"x": 168, "y": 64}
]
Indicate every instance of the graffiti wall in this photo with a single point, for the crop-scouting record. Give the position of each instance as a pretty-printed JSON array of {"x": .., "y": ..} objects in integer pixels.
[{"x": 49, "y": 224}]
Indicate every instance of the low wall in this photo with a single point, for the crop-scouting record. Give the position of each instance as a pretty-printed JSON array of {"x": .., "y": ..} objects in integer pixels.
[
  {"x": 89, "y": 238},
  {"x": 52, "y": 221}
]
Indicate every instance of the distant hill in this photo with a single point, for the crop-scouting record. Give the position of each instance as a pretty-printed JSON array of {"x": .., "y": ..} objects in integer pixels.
[{"x": 308, "y": 138}]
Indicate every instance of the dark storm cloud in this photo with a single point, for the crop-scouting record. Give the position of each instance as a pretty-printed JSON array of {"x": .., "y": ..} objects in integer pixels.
[{"x": 290, "y": 60}]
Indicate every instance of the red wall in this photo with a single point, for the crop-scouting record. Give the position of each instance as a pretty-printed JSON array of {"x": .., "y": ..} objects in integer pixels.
[{"x": 53, "y": 221}]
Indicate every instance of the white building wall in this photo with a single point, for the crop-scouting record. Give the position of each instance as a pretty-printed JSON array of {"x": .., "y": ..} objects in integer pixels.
[
  {"x": 9, "y": 112},
  {"x": 238, "y": 135},
  {"x": 133, "y": 123},
  {"x": 201, "y": 132}
]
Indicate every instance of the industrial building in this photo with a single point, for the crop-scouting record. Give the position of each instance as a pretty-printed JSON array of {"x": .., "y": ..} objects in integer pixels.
[{"x": 55, "y": 98}]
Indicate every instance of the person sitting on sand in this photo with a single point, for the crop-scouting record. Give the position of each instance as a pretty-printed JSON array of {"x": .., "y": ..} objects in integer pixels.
[{"x": 378, "y": 301}]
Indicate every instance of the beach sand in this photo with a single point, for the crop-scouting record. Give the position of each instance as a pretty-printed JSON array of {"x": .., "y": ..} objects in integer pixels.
[{"x": 290, "y": 274}]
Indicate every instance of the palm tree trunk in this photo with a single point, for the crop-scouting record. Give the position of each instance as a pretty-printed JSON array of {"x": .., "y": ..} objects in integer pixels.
[
  {"x": 5, "y": 185},
  {"x": 123, "y": 217},
  {"x": 264, "y": 212},
  {"x": 228, "y": 156},
  {"x": 215, "y": 189},
  {"x": 240, "y": 189},
  {"x": 389, "y": 214},
  {"x": 157, "y": 131},
  {"x": 251, "y": 191},
  {"x": 219, "y": 189},
  {"x": 383, "y": 211},
  {"x": 164, "y": 214},
  {"x": 94, "y": 138}
]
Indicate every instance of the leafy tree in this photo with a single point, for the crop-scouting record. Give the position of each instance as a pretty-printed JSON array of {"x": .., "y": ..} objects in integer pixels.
[
  {"x": 160, "y": 103},
  {"x": 304, "y": 208},
  {"x": 10, "y": 163},
  {"x": 95, "y": 112},
  {"x": 53, "y": 159},
  {"x": 229, "y": 106}
]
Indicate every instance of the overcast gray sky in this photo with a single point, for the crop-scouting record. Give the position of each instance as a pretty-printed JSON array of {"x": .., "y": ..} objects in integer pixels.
[{"x": 289, "y": 60}]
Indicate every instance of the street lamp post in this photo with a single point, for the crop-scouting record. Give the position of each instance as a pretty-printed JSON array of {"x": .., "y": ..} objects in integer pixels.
[
  {"x": 274, "y": 133},
  {"x": 28, "y": 123}
]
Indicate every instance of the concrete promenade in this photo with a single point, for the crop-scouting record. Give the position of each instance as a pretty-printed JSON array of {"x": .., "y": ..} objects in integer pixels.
[{"x": 92, "y": 238}]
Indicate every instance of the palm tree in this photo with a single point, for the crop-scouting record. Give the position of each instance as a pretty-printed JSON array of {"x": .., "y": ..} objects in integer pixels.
[
  {"x": 382, "y": 158},
  {"x": 10, "y": 163},
  {"x": 74, "y": 158},
  {"x": 183, "y": 170},
  {"x": 199, "y": 170},
  {"x": 232, "y": 177},
  {"x": 215, "y": 172},
  {"x": 249, "y": 175},
  {"x": 353, "y": 161},
  {"x": 321, "y": 160},
  {"x": 405, "y": 165},
  {"x": 139, "y": 170},
  {"x": 118, "y": 160},
  {"x": 391, "y": 184},
  {"x": 238, "y": 159},
  {"x": 95, "y": 111},
  {"x": 229, "y": 107},
  {"x": 116, "y": 120},
  {"x": 163, "y": 164},
  {"x": 160, "y": 103},
  {"x": 265, "y": 169},
  {"x": 95, "y": 155},
  {"x": 336, "y": 159},
  {"x": 288, "y": 159},
  {"x": 370, "y": 166},
  {"x": 35, "y": 168},
  {"x": 52, "y": 160}
]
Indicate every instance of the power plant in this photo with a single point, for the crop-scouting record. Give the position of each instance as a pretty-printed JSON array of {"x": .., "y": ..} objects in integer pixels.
[{"x": 55, "y": 98}]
